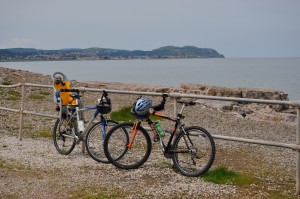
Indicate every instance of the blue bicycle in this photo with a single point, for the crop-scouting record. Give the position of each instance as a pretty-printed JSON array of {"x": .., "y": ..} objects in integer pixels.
[{"x": 70, "y": 129}]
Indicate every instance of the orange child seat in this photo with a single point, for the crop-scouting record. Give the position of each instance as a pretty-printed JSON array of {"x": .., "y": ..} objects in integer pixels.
[
  {"x": 62, "y": 99},
  {"x": 60, "y": 81}
]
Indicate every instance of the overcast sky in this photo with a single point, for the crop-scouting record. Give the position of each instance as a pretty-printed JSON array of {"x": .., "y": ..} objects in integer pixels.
[{"x": 235, "y": 28}]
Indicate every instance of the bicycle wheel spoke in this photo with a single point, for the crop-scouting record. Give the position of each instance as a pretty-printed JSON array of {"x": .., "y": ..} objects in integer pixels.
[
  {"x": 194, "y": 151},
  {"x": 64, "y": 142},
  {"x": 117, "y": 151},
  {"x": 94, "y": 141}
]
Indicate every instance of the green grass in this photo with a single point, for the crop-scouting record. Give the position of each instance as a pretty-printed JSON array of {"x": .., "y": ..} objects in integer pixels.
[
  {"x": 14, "y": 93},
  {"x": 6, "y": 83},
  {"x": 125, "y": 115},
  {"x": 44, "y": 93},
  {"x": 36, "y": 96},
  {"x": 45, "y": 133},
  {"x": 225, "y": 176},
  {"x": 12, "y": 98}
]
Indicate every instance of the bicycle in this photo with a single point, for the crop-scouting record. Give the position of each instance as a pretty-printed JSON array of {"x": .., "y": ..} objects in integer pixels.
[
  {"x": 192, "y": 151},
  {"x": 70, "y": 130}
]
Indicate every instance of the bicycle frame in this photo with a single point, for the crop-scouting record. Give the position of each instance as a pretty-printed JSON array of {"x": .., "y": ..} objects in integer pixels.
[
  {"x": 78, "y": 115},
  {"x": 177, "y": 121}
]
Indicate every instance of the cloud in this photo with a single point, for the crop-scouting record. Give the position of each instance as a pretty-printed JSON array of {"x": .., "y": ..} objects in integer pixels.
[{"x": 18, "y": 43}]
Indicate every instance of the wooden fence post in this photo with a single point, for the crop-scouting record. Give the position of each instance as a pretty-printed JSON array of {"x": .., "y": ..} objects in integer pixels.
[{"x": 21, "y": 112}]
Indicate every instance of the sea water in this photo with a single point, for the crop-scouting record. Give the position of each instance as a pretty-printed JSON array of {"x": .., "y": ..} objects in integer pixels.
[{"x": 275, "y": 73}]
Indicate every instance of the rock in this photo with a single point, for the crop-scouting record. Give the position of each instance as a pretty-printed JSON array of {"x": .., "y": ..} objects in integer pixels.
[
  {"x": 1, "y": 80},
  {"x": 290, "y": 118},
  {"x": 220, "y": 105}
]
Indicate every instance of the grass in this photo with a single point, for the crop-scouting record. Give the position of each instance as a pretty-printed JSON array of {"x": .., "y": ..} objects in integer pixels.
[
  {"x": 13, "y": 95},
  {"x": 125, "y": 115},
  {"x": 103, "y": 194},
  {"x": 12, "y": 98},
  {"x": 13, "y": 92},
  {"x": 36, "y": 96},
  {"x": 44, "y": 93},
  {"x": 46, "y": 133},
  {"x": 6, "y": 83},
  {"x": 223, "y": 175}
]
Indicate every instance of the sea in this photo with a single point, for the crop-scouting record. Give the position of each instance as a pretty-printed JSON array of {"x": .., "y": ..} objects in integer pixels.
[{"x": 273, "y": 73}]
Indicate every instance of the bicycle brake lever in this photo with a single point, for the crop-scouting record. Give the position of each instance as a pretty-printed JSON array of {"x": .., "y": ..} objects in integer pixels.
[{"x": 105, "y": 94}]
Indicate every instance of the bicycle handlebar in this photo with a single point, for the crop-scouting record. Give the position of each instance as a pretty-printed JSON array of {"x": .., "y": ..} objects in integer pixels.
[
  {"x": 69, "y": 90},
  {"x": 161, "y": 106}
]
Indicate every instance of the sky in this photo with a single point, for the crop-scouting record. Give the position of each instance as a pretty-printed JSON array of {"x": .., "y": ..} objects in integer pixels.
[{"x": 235, "y": 28}]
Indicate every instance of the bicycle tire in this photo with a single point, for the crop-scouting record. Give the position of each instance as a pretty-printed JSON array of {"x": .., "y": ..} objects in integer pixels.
[
  {"x": 64, "y": 142},
  {"x": 117, "y": 151},
  {"x": 193, "y": 151},
  {"x": 94, "y": 140}
]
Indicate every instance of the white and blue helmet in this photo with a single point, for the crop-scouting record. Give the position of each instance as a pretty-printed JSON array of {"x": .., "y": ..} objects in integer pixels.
[{"x": 142, "y": 106}]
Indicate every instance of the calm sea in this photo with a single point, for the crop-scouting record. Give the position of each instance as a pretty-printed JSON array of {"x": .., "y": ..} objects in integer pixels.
[{"x": 277, "y": 73}]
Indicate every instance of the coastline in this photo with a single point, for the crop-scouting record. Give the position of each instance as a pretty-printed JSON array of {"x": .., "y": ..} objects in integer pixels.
[{"x": 34, "y": 164}]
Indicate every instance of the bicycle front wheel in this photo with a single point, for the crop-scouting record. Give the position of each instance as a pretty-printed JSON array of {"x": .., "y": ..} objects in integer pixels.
[
  {"x": 63, "y": 136},
  {"x": 116, "y": 146},
  {"x": 95, "y": 139},
  {"x": 194, "y": 151}
]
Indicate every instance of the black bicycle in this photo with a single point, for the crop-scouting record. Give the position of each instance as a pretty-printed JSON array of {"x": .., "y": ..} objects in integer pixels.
[
  {"x": 192, "y": 151},
  {"x": 70, "y": 128}
]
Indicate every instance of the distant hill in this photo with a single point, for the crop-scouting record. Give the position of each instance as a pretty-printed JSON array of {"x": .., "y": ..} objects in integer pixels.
[{"x": 166, "y": 52}]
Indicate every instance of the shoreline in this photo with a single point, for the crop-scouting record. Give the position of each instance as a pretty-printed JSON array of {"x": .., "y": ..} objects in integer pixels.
[
  {"x": 252, "y": 110},
  {"x": 34, "y": 163}
]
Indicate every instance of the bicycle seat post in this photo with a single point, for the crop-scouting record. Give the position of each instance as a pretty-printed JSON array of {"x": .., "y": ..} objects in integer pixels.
[{"x": 182, "y": 107}]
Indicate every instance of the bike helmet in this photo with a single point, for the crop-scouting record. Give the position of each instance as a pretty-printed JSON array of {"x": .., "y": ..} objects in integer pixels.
[
  {"x": 142, "y": 106},
  {"x": 104, "y": 105}
]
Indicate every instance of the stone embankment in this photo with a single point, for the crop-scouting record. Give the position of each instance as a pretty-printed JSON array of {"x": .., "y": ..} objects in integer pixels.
[{"x": 255, "y": 111}]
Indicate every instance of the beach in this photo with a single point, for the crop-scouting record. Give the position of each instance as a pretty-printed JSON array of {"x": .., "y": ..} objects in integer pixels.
[{"x": 32, "y": 168}]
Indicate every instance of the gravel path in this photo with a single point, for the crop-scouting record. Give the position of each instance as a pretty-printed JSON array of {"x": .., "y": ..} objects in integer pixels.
[{"x": 32, "y": 168}]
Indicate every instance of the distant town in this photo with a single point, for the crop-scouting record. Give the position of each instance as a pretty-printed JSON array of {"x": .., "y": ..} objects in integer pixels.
[{"x": 166, "y": 52}]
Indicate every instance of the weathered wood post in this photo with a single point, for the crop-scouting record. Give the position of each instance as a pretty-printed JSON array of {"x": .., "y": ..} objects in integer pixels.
[{"x": 21, "y": 111}]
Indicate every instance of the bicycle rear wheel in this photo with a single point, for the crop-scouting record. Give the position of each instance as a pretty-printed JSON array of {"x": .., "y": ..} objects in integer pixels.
[
  {"x": 116, "y": 146},
  {"x": 63, "y": 136},
  {"x": 95, "y": 139},
  {"x": 194, "y": 151}
]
